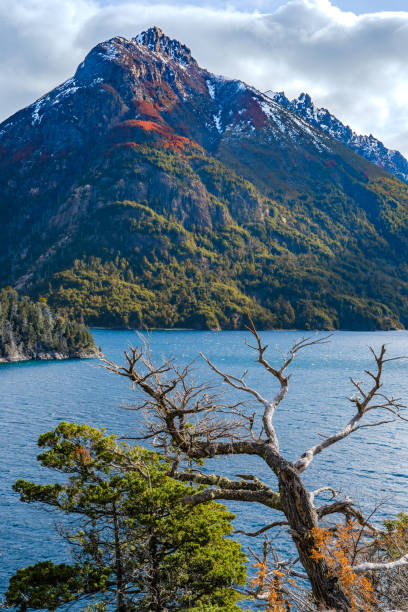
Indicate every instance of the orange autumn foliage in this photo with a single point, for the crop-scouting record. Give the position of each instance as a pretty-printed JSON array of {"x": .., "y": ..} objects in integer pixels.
[
  {"x": 271, "y": 583},
  {"x": 148, "y": 109},
  {"x": 338, "y": 548},
  {"x": 170, "y": 140},
  {"x": 83, "y": 455}
]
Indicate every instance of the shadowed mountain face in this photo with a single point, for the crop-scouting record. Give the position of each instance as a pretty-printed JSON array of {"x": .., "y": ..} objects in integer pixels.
[{"x": 146, "y": 190}]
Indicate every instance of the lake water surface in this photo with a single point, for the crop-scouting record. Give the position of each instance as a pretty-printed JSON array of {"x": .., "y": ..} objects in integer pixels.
[{"x": 371, "y": 466}]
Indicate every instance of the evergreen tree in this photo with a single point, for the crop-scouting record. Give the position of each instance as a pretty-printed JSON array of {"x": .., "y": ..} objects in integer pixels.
[
  {"x": 134, "y": 543},
  {"x": 28, "y": 330}
]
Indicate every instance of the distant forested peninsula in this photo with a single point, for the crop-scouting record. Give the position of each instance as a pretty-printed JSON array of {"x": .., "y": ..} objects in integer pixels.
[{"x": 29, "y": 330}]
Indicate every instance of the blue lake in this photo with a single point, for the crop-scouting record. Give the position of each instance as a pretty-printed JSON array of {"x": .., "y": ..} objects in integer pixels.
[{"x": 371, "y": 465}]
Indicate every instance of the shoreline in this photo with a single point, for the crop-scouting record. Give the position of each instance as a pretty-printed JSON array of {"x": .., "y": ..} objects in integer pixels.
[
  {"x": 91, "y": 354},
  {"x": 193, "y": 329}
]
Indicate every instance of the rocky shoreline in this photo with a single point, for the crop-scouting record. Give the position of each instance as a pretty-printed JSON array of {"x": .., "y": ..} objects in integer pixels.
[
  {"x": 30, "y": 331},
  {"x": 50, "y": 356}
]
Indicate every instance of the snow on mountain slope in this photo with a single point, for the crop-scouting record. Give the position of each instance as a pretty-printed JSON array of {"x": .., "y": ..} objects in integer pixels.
[{"x": 368, "y": 146}]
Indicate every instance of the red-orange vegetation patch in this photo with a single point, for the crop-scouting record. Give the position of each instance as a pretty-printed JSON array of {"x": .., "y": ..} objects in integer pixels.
[
  {"x": 82, "y": 455},
  {"x": 121, "y": 145},
  {"x": 252, "y": 111},
  {"x": 148, "y": 109},
  {"x": 170, "y": 140},
  {"x": 339, "y": 549},
  {"x": 8, "y": 156}
]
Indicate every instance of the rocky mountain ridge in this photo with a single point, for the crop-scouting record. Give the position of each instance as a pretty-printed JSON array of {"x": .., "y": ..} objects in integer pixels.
[{"x": 367, "y": 146}]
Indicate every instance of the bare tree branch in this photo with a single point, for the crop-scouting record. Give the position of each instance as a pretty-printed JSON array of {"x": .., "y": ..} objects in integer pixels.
[
  {"x": 240, "y": 384},
  {"x": 189, "y": 416},
  {"x": 255, "y": 534},
  {"x": 221, "y": 481},
  {"x": 317, "y": 492},
  {"x": 269, "y": 407},
  {"x": 364, "y": 402},
  {"x": 364, "y": 568},
  {"x": 266, "y": 498},
  {"x": 347, "y": 508}
]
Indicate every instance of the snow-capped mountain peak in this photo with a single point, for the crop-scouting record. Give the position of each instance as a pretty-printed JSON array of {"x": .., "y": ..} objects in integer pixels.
[{"x": 155, "y": 40}]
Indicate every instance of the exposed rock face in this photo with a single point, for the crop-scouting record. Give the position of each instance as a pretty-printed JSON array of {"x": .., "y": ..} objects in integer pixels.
[
  {"x": 367, "y": 146},
  {"x": 147, "y": 190}
]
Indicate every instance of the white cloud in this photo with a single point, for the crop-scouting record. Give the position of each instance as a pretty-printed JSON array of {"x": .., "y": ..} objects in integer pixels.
[
  {"x": 38, "y": 47},
  {"x": 353, "y": 64}
]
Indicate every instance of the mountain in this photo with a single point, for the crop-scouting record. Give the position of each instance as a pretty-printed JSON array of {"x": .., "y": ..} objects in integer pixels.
[
  {"x": 28, "y": 330},
  {"x": 146, "y": 190},
  {"x": 369, "y": 147}
]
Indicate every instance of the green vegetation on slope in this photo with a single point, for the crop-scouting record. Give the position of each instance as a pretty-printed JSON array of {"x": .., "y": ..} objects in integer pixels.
[
  {"x": 307, "y": 261},
  {"x": 177, "y": 239},
  {"x": 29, "y": 330}
]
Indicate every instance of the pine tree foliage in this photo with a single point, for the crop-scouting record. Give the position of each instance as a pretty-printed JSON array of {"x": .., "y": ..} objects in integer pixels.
[{"x": 136, "y": 546}]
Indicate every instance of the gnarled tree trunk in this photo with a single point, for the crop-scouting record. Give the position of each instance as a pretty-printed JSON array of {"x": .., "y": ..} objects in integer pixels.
[{"x": 302, "y": 518}]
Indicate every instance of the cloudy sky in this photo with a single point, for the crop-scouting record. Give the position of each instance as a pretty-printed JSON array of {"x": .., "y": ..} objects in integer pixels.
[{"x": 350, "y": 55}]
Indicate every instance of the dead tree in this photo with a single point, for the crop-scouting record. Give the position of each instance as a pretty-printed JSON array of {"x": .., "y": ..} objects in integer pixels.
[{"x": 190, "y": 422}]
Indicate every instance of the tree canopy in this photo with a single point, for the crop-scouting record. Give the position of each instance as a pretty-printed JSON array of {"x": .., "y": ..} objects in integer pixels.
[
  {"x": 134, "y": 542},
  {"x": 30, "y": 330}
]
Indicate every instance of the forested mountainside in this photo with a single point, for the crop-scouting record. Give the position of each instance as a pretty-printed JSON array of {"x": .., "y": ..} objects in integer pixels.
[
  {"x": 146, "y": 191},
  {"x": 28, "y": 330},
  {"x": 368, "y": 146}
]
